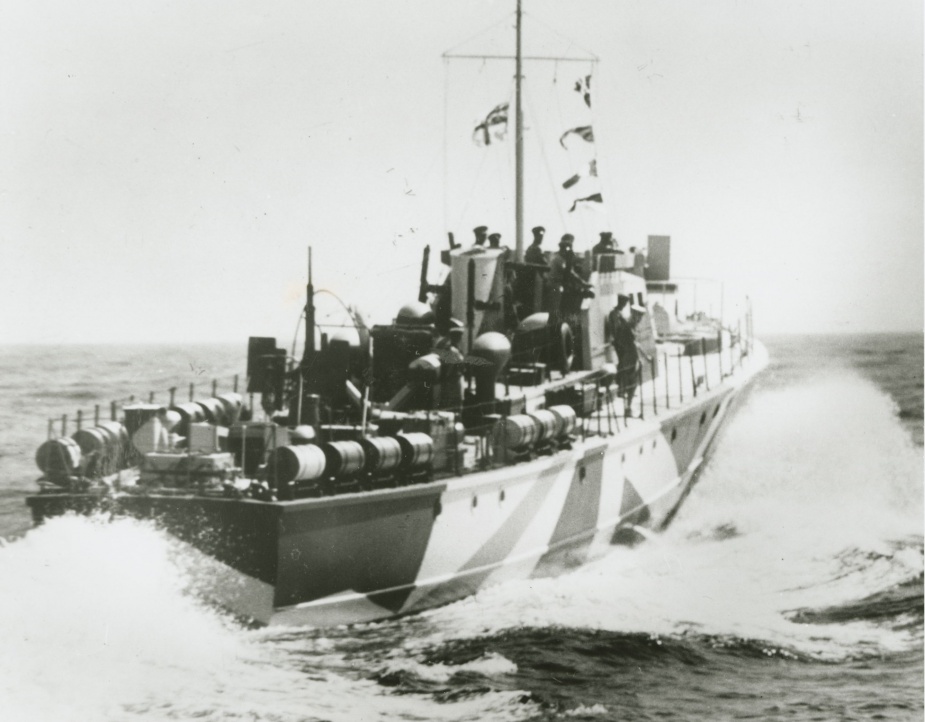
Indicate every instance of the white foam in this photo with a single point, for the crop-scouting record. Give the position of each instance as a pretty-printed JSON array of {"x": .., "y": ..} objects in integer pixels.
[
  {"x": 811, "y": 501},
  {"x": 594, "y": 710},
  {"x": 99, "y": 626},
  {"x": 489, "y": 665}
]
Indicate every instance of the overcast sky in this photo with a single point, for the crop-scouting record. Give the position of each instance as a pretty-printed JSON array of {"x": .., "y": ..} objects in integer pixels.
[{"x": 166, "y": 164}]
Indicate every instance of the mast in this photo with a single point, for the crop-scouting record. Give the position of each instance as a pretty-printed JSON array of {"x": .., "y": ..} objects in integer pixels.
[
  {"x": 309, "y": 351},
  {"x": 519, "y": 57},
  {"x": 518, "y": 152}
]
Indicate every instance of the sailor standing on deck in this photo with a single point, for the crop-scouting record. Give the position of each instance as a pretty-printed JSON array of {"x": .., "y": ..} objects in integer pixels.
[
  {"x": 607, "y": 244},
  {"x": 567, "y": 289},
  {"x": 534, "y": 253},
  {"x": 621, "y": 322},
  {"x": 494, "y": 241},
  {"x": 481, "y": 235},
  {"x": 560, "y": 266}
]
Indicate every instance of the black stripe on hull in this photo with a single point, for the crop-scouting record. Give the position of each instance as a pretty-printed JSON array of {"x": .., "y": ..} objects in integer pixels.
[{"x": 369, "y": 545}]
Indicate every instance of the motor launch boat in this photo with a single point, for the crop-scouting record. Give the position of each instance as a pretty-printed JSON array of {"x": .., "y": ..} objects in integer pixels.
[{"x": 494, "y": 430}]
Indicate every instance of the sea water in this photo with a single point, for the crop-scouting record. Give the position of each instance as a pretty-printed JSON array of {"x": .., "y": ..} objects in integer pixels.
[{"x": 788, "y": 587}]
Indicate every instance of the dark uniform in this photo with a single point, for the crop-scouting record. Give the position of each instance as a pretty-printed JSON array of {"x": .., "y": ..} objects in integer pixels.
[
  {"x": 534, "y": 253},
  {"x": 623, "y": 337},
  {"x": 451, "y": 369},
  {"x": 607, "y": 244}
]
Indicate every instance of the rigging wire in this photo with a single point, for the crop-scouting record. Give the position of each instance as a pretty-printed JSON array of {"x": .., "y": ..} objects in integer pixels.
[
  {"x": 506, "y": 18},
  {"x": 295, "y": 336},
  {"x": 571, "y": 43},
  {"x": 582, "y": 220},
  {"x": 446, "y": 127},
  {"x": 352, "y": 314},
  {"x": 552, "y": 183}
]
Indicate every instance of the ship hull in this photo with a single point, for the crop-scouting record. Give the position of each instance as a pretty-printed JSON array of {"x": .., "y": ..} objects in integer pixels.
[{"x": 378, "y": 554}]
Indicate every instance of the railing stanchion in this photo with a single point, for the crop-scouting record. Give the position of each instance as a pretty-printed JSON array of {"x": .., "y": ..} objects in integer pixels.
[
  {"x": 680, "y": 379},
  {"x": 703, "y": 356},
  {"x": 642, "y": 401},
  {"x": 653, "y": 369},
  {"x": 667, "y": 388},
  {"x": 739, "y": 338},
  {"x": 693, "y": 375}
]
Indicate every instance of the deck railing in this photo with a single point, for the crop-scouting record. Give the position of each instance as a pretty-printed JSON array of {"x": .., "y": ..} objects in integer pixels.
[{"x": 664, "y": 382}]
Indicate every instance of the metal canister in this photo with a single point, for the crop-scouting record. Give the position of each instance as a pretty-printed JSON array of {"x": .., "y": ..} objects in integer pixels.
[
  {"x": 344, "y": 458},
  {"x": 519, "y": 431},
  {"x": 58, "y": 457},
  {"x": 102, "y": 447},
  {"x": 232, "y": 402},
  {"x": 190, "y": 413},
  {"x": 383, "y": 453},
  {"x": 417, "y": 450},
  {"x": 213, "y": 410},
  {"x": 547, "y": 425},
  {"x": 568, "y": 419},
  {"x": 296, "y": 463},
  {"x": 114, "y": 430}
]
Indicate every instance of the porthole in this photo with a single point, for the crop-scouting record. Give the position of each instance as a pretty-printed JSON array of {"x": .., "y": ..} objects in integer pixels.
[
  {"x": 501, "y": 495},
  {"x": 475, "y": 501},
  {"x": 654, "y": 442},
  {"x": 581, "y": 473},
  {"x": 641, "y": 449},
  {"x": 703, "y": 417},
  {"x": 622, "y": 458},
  {"x": 674, "y": 435}
]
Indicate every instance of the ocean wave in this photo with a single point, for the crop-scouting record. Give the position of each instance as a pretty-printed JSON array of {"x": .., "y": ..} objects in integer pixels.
[
  {"x": 901, "y": 604},
  {"x": 812, "y": 501},
  {"x": 100, "y": 626}
]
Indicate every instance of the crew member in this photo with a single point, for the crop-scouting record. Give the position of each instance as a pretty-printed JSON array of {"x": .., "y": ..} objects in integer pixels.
[
  {"x": 639, "y": 262},
  {"x": 481, "y": 235},
  {"x": 564, "y": 272},
  {"x": 567, "y": 287},
  {"x": 452, "y": 366},
  {"x": 622, "y": 321},
  {"x": 534, "y": 253},
  {"x": 607, "y": 244}
]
